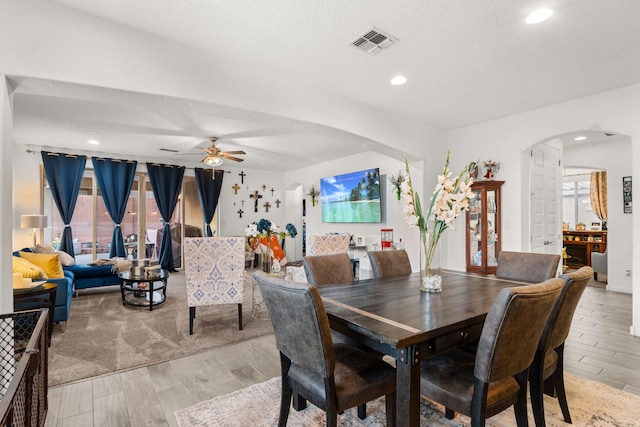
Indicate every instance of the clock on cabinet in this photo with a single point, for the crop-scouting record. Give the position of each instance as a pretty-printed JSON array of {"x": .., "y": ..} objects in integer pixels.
[{"x": 483, "y": 227}]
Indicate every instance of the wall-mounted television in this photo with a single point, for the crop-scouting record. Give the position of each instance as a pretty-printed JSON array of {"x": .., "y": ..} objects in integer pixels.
[{"x": 351, "y": 197}]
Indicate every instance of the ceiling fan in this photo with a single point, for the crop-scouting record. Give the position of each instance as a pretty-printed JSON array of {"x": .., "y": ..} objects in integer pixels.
[{"x": 215, "y": 155}]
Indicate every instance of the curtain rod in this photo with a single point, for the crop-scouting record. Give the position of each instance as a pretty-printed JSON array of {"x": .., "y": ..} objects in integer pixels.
[{"x": 31, "y": 151}]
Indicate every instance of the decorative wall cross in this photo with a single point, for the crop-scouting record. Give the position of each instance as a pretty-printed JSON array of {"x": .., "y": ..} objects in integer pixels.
[
  {"x": 240, "y": 212},
  {"x": 256, "y": 197},
  {"x": 242, "y": 201},
  {"x": 264, "y": 187},
  {"x": 235, "y": 187},
  {"x": 266, "y": 205},
  {"x": 272, "y": 190},
  {"x": 242, "y": 175},
  {"x": 278, "y": 202}
]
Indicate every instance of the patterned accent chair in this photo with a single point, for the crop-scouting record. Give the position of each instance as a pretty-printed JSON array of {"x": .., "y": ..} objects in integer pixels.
[
  {"x": 214, "y": 273},
  {"x": 328, "y": 244},
  {"x": 322, "y": 244}
]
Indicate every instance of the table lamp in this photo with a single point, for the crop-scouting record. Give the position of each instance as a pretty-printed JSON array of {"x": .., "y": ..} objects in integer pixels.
[{"x": 34, "y": 222}]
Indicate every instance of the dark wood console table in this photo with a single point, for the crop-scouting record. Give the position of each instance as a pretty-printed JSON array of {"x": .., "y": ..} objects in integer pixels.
[{"x": 580, "y": 244}]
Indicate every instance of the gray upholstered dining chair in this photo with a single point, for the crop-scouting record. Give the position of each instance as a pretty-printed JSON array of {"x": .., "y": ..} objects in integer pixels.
[
  {"x": 546, "y": 374},
  {"x": 493, "y": 379},
  {"x": 389, "y": 263},
  {"x": 527, "y": 266},
  {"x": 334, "y": 377},
  {"x": 325, "y": 269},
  {"x": 335, "y": 269}
]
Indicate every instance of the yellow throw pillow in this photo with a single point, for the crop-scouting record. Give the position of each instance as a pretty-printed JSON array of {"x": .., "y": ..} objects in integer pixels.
[
  {"x": 50, "y": 263},
  {"x": 27, "y": 269}
]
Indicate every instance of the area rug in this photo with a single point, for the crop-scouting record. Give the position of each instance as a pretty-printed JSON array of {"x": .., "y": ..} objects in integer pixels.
[
  {"x": 103, "y": 336},
  {"x": 591, "y": 404}
]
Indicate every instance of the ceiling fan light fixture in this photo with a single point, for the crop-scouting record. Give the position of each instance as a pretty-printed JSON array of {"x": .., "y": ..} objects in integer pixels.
[{"x": 212, "y": 161}]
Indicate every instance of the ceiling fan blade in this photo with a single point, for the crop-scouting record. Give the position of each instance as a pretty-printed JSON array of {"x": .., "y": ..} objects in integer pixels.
[
  {"x": 235, "y": 159},
  {"x": 233, "y": 152}
]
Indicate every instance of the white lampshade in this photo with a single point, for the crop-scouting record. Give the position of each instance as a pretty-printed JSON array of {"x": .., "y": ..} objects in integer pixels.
[{"x": 33, "y": 221}]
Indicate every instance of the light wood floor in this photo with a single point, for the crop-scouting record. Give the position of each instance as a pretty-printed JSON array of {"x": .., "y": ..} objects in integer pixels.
[{"x": 599, "y": 348}]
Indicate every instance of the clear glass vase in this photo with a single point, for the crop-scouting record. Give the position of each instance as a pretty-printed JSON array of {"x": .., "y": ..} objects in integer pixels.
[
  {"x": 265, "y": 262},
  {"x": 430, "y": 265}
]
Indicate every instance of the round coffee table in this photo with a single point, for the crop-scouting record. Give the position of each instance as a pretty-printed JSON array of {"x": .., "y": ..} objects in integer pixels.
[{"x": 143, "y": 291}]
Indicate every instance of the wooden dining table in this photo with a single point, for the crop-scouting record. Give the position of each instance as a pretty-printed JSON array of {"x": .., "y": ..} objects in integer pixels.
[{"x": 394, "y": 317}]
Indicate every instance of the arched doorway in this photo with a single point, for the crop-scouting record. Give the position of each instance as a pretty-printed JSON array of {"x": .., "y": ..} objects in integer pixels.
[{"x": 603, "y": 151}]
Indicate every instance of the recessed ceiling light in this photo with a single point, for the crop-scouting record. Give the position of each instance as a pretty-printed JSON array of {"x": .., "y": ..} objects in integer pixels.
[
  {"x": 93, "y": 142},
  {"x": 579, "y": 138},
  {"x": 538, "y": 16},
  {"x": 398, "y": 80}
]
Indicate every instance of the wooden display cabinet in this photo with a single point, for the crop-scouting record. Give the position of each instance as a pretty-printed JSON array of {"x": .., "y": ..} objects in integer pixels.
[
  {"x": 580, "y": 244},
  {"x": 483, "y": 227}
]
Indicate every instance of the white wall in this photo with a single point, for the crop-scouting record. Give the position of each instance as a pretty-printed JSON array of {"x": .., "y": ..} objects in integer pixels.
[
  {"x": 6, "y": 181},
  {"x": 503, "y": 140},
  {"x": 614, "y": 156},
  {"x": 47, "y": 40},
  {"x": 392, "y": 207},
  {"x": 230, "y": 222}
]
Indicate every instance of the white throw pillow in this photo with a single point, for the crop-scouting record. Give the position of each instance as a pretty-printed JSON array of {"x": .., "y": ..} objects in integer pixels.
[
  {"x": 44, "y": 249},
  {"x": 65, "y": 259}
]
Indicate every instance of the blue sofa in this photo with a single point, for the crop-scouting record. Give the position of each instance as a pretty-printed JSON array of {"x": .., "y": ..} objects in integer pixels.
[
  {"x": 64, "y": 292},
  {"x": 91, "y": 276}
]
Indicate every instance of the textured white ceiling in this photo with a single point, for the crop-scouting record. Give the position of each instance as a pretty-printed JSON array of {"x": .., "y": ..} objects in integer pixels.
[{"x": 466, "y": 61}]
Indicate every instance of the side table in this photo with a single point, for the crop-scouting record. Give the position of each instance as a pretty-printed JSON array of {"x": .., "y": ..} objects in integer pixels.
[
  {"x": 143, "y": 291},
  {"x": 41, "y": 296}
]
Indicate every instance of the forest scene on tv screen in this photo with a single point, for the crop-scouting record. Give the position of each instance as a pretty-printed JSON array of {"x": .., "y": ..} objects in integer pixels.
[{"x": 351, "y": 197}]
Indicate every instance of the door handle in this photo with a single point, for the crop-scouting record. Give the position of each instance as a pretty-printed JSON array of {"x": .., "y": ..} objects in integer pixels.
[{"x": 548, "y": 242}]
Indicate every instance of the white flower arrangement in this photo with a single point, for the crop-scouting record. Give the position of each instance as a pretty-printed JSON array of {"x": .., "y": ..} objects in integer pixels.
[{"x": 450, "y": 198}]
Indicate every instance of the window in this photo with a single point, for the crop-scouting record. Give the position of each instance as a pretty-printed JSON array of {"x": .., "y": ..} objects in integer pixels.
[
  {"x": 93, "y": 227},
  {"x": 576, "y": 202}
]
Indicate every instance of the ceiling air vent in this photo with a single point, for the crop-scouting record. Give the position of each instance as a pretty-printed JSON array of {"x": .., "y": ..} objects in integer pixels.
[
  {"x": 374, "y": 41},
  {"x": 169, "y": 150}
]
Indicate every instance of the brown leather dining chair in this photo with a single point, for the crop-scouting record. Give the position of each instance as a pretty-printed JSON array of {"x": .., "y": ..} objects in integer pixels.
[
  {"x": 334, "y": 377},
  {"x": 546, "y": 374},
  {"x": 328, "y": 269},
  {"x": 493, "y": 379},
  {"x": 527, "y": 266},
  {"x": 389, "y": 263}
]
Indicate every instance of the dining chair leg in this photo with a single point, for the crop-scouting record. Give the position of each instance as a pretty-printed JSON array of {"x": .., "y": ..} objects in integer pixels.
[
  {"x": 558, "y": 382},
  {"x": 240, "y": 316},
  {"x": 192, "y": 315},
  {"x": 299, "y": 402},
  {"x": 520, "y": 407},
  {"x": 537, "y": 385},
  {"x": 478, "y": 403},
  {"x": 287, "y": 391},
  {"x": 449, "y": 413}
]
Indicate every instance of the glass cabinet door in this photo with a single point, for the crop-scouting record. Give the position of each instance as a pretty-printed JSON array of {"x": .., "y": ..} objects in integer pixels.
[
  {"x": 474, "y": 230},
  {"x": 483, "y": 227}
]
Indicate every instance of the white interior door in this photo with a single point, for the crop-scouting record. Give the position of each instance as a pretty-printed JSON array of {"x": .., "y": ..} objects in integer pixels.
[{"x": 545, "y": 199}]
